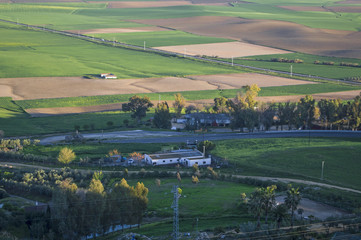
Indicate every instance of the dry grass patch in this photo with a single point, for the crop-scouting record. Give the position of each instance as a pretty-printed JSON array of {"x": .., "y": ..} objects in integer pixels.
[
  {"x": 224, "y": 50},
  {"x": 278, "y": 34}
]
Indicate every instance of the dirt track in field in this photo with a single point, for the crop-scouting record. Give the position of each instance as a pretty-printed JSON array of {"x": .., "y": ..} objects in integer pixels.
[
  {"x": 346, "y": 9},
  {"x": 118, "y": 30},
  {"x": 278, "y": 34},
  {"x": 57, "y": 87},
  {"x": 224, "y": 50}
]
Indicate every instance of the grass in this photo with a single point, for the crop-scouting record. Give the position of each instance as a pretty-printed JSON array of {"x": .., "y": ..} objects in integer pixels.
[
  {"x": 307, "y": 67},
  {"x": 20, "y": 124},
  {"x": 47, "y": 54},
  {"x": 207, "y": 198},
  {"x": 95, "y": 150},
  {"x": 296, "y": 157},
  {"x": 71, "y": 15},
  {"x": 188, "y": 95},
  {"x": 160, "y": 38}
]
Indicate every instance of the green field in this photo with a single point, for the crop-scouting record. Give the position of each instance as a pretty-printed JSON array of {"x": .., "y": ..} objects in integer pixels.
[
  {"x": 47, "y": 54},
  {"x": 96, "y": 150},
  {"x": 188, "y": 95},
  {"x": 72, "y": 16},
  {"x": 159, "y": 39},
  {"x": 307, "y": 67},
  {"x": 296, "y": 157}
]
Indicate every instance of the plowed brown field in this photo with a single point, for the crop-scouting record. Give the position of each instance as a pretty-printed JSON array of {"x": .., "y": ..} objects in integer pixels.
[
  {"x": 57, "y": 87},
  {"x": 278, "y": 34}
]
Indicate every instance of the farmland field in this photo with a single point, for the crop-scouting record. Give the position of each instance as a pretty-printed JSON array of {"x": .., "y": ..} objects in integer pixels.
[
  {"x": 47, "y": 54},
  {"x": 160, "y": 38},
  {"x": 300, "y": 157}
]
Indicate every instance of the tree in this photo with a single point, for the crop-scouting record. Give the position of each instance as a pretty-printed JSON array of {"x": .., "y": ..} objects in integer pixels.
[
  {"x": 162, "y": 117},
  {"x": 280, "y": 213},
  {"x": 209, "y": 146},
  {"x": 269, "y": 200},
  {"x": 220, "y": 105},
  {"x": 195, "y": 179},
  {"x": 292, "y": 200},
  {"x": 306, "y": 110},
  {"x": 267, "y": 115},
  {"x": 66, "y": 156},
  {"x": 190, "y": 109},
  {"x": 138, "y": 157},
  {"x": 140, "y": 202},
  {"x": 138, "y": 106},
  {"x": 256, "y": 205},
  {"x": 94, "y": 205},
  {"x": 179, "y": 104},
  {"x": 179, "y": 178},
  {"x": 287, "y": 113}
]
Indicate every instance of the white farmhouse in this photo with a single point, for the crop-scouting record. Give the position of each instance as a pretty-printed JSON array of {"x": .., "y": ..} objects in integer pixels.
[{"x": 186, "y": 157}]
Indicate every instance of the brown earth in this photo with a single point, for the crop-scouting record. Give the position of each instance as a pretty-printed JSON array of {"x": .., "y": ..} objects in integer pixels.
[
  {"x": 118, "y": 30},
  {"x": 146, "y": 4},
  {"x": 278, "y": 34},
  {"x": 57, "y": 87},
  {"x": 346, "y": 9},
  {"x": 224, "y": 50}
]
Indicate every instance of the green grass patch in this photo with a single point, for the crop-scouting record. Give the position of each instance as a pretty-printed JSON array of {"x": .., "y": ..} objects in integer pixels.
[
  {"x": 296, "y": 157},
  {"x": 307, "y": 67},
  {"x": 95, "y": 150},
  {"x": 6, "y": 103},
  {"x": 20, "y": 124},
  {"x": 160, "y": 38},
  {"x": 47, "y": 54}
]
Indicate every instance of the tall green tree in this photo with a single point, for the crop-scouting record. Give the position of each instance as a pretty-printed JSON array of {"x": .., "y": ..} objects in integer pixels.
[
  {"x": 306, "y": 110},
  {"x": 256, "y": 205},
  {"x": 269, "y": 200},
  {"x": 138, "y": 106},
  {"x": 280, "y": 213},
  {"x": 292, "y": 200},
  {"x": 162, "y": 117},
  {"x": 179, "y": 104}
]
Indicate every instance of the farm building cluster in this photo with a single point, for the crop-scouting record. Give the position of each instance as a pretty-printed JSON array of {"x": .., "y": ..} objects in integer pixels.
[{"x": 185, "y": 157}]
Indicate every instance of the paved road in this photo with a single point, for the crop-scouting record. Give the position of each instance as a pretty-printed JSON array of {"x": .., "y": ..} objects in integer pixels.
[
  {"x": 115, "y": 43},
  {"x": 277, "y": 179},
  {"x": 140, "y": 136}
]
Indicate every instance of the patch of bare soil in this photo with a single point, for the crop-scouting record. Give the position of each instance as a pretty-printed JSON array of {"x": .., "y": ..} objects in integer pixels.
[
  {"x": 346, "y": 9},
  {"x": 224, "y": 50},
  {"x": 57, "y": 87},
  {"x": 278, "y": 34},
  {"x": 118, "y": 30},
  {"x": 146, "y": 4}
]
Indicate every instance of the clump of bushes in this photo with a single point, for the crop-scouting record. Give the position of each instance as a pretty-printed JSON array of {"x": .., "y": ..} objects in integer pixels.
[
  {"x": 324, "y": 63},
  {"x": 350, "y": 64},
  {"x": 285, "y": 60}
]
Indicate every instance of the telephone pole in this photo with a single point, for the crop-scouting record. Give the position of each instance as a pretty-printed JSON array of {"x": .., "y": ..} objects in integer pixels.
[{"x": 175, "y": 213}]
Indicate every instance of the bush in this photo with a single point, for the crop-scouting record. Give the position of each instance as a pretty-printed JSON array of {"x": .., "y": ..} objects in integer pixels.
[{"x": 3, "y": 194}]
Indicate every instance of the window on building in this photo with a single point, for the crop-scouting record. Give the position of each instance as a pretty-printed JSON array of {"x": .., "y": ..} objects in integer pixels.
[
  {"x": 163, "y": 160},
  {"x": 204, "y": 162}
]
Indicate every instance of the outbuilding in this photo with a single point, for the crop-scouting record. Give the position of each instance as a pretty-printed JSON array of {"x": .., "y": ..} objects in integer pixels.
[{"x": 186, "y": 157}]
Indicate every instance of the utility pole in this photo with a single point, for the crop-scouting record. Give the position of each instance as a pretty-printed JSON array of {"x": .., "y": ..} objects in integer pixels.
[
  {"x": 175, "y": 213},
  {"x": 232, "y": 61},
  {"x": 291, "y": 70},
  {"x": 144, "y": 46},
  {"x": 323, "y": 165}
]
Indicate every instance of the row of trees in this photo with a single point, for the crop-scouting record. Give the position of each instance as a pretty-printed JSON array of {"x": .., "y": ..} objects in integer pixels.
[
  {"x": 76, "y": 212},
  {"x": 262, "y": 202}
]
